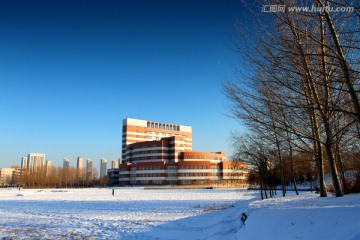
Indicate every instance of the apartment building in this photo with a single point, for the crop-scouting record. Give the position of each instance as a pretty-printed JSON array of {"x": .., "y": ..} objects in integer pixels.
[
  {"x": 11, "y": 176},
  {"x": 35, "y": 162},
  {"x": 48, "y": 168},
  {"x": 66, "y": 163},
  {"x": 6, "y": 176},
  {"x": 169, "y": 160},
  {"x": 24, "y": 162},
  {"x": 103, "y": 167},
  {"x": 79, "y": 168}
]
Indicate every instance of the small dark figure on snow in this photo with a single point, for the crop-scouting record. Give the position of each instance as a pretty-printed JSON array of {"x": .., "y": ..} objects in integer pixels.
[
  {"x": 113, "y": 192},
  {"x": 243, "y": 217}
]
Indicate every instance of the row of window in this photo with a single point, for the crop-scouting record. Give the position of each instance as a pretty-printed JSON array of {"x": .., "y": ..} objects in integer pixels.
[
  {"x": 163, "y": 126},
  {"x": 146, "y": 182},
  {"x": 194, "y": 167},
  {"x": 150, "y": 168},
  {"x": 194, "y": 174},
  {"x": 171, "y": 175},
  {"x": 155, "y": 138},
  {"x": 145, "y": 152},
  {"x": 143, "y": 158},
  {"x": 202, "y": 157},
  {"x": 174, "y": 167},
  {"x": 171, "y": 167},
  {"x": 191, "y": 182},
  {"x": 149, "y": 175},
  {"x": 186, "y": 181}
]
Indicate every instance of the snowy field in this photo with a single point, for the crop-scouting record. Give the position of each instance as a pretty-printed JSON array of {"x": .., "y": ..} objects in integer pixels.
[{"x": 134, "y": 213}]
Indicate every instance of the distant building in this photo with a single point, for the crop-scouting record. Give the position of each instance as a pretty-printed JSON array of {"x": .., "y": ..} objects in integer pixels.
[
  {"x": 113, "y": 175},
  {"x": 89, "y": 169},
  {"x": 48, "y": 168},
  {"x": 79, "y": 168},
  {"x": 103, "y": 167},
  {"x": 24, "y": 162},
  {"x": 6, "y": 176},
  {"x": 17, "y": 175},
  {"x": 113, "y": 172},
  {"x": 35, "y": 162},
  {"x": 66, "y": 163},
  {"x": 156, "y": 153},
  {"x": 114, "y": 164}
]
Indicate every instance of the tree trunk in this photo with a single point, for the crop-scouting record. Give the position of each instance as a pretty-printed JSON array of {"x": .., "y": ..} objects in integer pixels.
[
  {"x": 343, "y": 63},
  {"x": 281, "y": 166},
  {"x": 333, "y": 169},
  {"x": 320, "y": 162},
  {"x": 292, "y": 165},
  {"x": 342, "y": 171}
]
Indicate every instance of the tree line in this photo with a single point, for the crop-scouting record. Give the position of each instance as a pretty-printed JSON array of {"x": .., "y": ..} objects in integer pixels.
[
  {"x": 58, "y": 177},
  {"x": 297, "y": 93}
]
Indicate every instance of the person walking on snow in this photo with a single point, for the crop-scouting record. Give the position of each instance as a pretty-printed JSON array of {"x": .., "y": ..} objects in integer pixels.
[{"x": 243, "y": 217}]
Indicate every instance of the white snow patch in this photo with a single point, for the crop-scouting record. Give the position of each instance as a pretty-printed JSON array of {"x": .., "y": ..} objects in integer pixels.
[{"x": 135, "y": 213}]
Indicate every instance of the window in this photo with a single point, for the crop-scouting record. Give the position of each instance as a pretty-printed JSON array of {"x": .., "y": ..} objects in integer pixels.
[{"x": 171, "y": 167}]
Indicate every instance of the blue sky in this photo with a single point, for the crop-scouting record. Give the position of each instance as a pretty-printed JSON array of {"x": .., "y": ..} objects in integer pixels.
[{"x": 71, "y": 71}]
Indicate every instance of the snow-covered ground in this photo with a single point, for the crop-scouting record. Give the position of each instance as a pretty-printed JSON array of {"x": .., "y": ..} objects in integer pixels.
[{"x": 134, "y": 213}]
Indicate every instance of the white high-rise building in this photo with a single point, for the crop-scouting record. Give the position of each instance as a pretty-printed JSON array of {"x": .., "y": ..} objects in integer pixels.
[
  {"x": 79, "y": 168},
  {"x": 103, "y": 167},
  {"x": 115, "y": 164},
  {"x": 24, "y": 162},
  {"x": 48, "y": 167},
  {"x": 89, "y": 168},
  {"x": 35, "y": 162},
  {"x": 66, "y": 163}
]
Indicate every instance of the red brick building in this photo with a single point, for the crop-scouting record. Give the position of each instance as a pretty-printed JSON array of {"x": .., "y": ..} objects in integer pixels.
[{"x": 161, "y": 154}]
